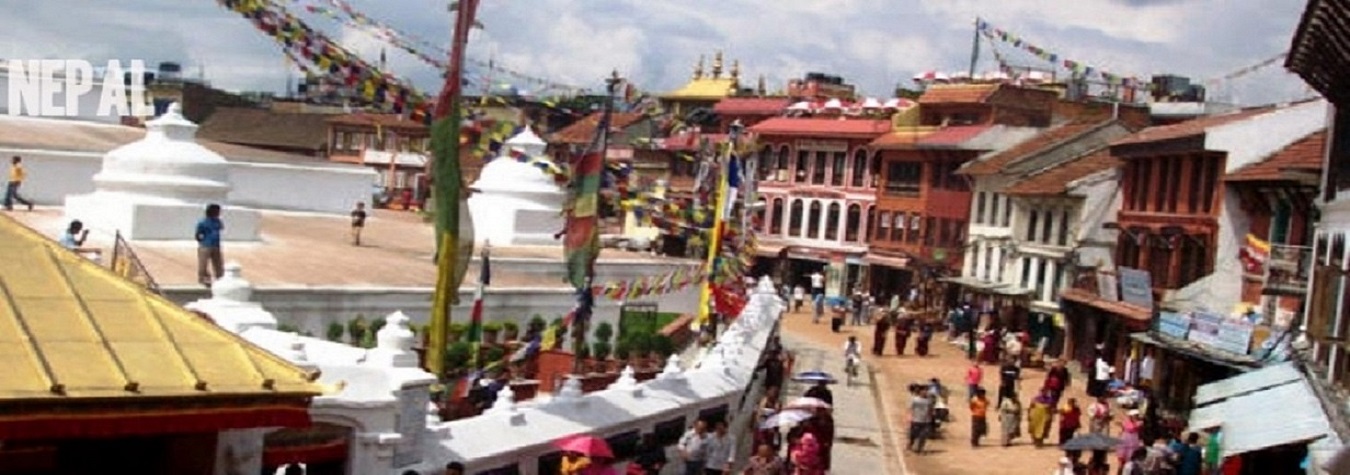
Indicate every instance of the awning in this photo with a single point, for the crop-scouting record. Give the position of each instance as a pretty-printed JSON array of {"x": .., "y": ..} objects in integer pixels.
[
  {"x": 1192, "y": 350},
  {"x": 987, "y": 287},
  {"x": 1245, "y": 415},
  {"x": 879, "y": 260},
  {"x": 1123, "y": 309}
]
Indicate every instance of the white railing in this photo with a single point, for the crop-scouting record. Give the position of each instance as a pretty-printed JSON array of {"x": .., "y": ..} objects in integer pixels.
[{"x": 521, "y": 436}]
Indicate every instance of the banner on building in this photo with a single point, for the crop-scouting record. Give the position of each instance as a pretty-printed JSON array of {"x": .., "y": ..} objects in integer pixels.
[
  {"x": 1173, "y": 324},
  {"x": 1136, "y": 287}
]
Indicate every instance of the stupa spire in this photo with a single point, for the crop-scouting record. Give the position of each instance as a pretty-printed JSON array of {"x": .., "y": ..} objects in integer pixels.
[{"x": 717, "y": 65}]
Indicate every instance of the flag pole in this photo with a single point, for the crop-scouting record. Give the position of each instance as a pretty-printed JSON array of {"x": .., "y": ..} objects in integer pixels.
[
  {"x": 719, "y": 222},
  {"x": 447, "y": 191},
  {"x": 585, "y": 296}
]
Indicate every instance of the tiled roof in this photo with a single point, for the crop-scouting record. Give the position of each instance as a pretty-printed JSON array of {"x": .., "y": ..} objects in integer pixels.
[
  {"x": 1047, "y": 139},
  {"x": 583, "y": 131},
  {"x": 823, "y": 127},
  {"x": 1189, "y": 128},
  {"x": 264, "y": 128},
  {"x": 957, "y": 93},
  {"x": 72, "y": 330},
  {"x": 752, "y": 105},
  {"x": 1304, "y": 154},
  {"x": 906, "y": 138},
  {"x": 382, "y": 120},
  {"x": 1055, "y": 180}
]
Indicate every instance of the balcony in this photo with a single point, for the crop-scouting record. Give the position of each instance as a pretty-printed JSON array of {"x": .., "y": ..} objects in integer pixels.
[{"x": 1287, "y": 270}]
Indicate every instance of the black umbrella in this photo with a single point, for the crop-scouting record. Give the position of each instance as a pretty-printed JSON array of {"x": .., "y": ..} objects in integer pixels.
[{"x": 1090, "y": 442}]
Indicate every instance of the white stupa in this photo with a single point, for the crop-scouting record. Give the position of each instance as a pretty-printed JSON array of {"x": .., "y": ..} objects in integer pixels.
[
  {"x": 516, "y": 203},
  {"x": 157, "y": 188}
]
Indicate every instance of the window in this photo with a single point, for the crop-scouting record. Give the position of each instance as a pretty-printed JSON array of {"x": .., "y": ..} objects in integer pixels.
[
  {"x": 871, "y": 222},
  {"x": 1040, "y": 279},
  {"x": 837, "y": 172},
  {"x": 1213, "y": 168},
  {"x": 1279, "y": 233},
  {"x": 979, "y": 208},
  {"x": 915, "y": 228},
  {"x": 1194, "y": 260},
  {"x": 1026, "y": 272},
  {"x": 818, "y": 168},
  {"x": 803, "y": 165},
  {"x": 876, "y": 171},
  {"x": 1129, "y": 250},
  {"x": 884, "y": 226},
  {"x": 899, "y": 226},
  {"x": 929, "y": 236},
  {"x": 813, "y": 221},
  {"x": 1160, "y": 251},
  {"x": 1007, "y": 210},
  {"x": 1059, "y": 278},
  {"x": 783, "y": 167},
  {"x": 852, "y": 222},
  {"x": 832, "y": 222},
  {"x": 1031, "y": 226},
  {"x": 902, "y": 178},
  {"x": 1063, "y": 229},
  {"x": 764, "y": 163},
  {"x": 1173, "y": 181},
  {"x": 1047, "y": 226},
  {"x": 795, "y": 219},
  {"x": 859, "y": 171},
  {"x": 776, "y": 217}
]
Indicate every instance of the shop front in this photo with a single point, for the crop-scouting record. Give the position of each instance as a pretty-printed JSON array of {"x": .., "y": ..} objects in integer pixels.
[
  {"x": 1094, "y": 323},
  {"x": 998, "y": 304}
]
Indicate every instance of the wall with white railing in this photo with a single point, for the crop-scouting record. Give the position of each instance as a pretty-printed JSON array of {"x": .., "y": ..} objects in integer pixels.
[{"x": 521, "y": 435}]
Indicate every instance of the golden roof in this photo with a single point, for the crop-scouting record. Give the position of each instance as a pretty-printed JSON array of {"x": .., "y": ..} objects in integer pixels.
[
  {"x": 706, "y": 88},
  {"x": 72, "y": 329}
]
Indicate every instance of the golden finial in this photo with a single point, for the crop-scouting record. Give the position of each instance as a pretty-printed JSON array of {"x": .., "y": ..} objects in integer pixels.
[
  {"x": 698, "y": 68},
  {"x": 761, "y": 89},
  {"x": 717, "y": 65},
  {"x": 735, "y": 70}
]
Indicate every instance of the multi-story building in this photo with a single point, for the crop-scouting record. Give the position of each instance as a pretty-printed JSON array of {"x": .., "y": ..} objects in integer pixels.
[
  {"x": 1019, "y": 251},
  {"x": 923, "y": 206},
  {"x": 395, "y": 147},
  {"x": 818, "y": 184},
  {"x": 1181, "y": 233}
]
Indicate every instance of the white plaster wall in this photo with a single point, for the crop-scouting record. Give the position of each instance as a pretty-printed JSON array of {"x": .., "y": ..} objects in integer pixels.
[
  {"x": 1221, "y": 290},
  {"x": 1254, "y": 139},
  {"x": 1102, "y": 198},
  {"x": 53, "y": 175},
  {"x": 984, "y": 239}
]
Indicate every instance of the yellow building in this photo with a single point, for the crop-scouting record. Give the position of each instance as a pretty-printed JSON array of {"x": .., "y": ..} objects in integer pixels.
[
  {"x": 103, "y": 376},
  {"x": 703, "y": 90}
]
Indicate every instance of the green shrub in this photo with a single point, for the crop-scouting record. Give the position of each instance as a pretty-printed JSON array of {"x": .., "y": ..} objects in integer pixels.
[
  {"x": 356, "y": 330},
  {"x": 336, "y": 331},
  {"x": 583, "y": 352},
  {"x": 663, "y": 344},
  {"x": 457, "y": 329},
  {"x": 537, "y": 323},
  {"x": 493, "y": 354},
  {"x": 624, "y": 348},
  {"x": 492, "y": 327},
  {"x": 511, "y": 327},
  {"x": 601, "y": 349},
  {"x": 604, "y": 331},
  {"x": 288, "y": 328},
  {"x": 458, "y": 355},
  {"x": 377, "y": 324}
]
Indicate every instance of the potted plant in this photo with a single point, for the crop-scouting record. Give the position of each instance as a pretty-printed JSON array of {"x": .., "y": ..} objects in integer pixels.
[
  {"x": 490, "y": 332},
  {"x": 457, "y": 356},
  {"x": 624, "y": 349},
  {"x": 377, "y": 324},
  {"x": 492, "y": 355},
  {"x": 584, "y": 354},
  {"x": 455, "y": 332},
  {"x": 510, "y": 331},
  {"x": 356, "y": 330},
  {"x": 601, "y": 350},
  {"x": 336, "y": 331},
  {"x": 537, "y": 324}
]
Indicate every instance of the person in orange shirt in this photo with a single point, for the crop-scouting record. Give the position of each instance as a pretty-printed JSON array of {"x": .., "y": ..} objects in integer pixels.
[
  {"x": 17, "y": 175},
  {"x": 979, "y": 423}
]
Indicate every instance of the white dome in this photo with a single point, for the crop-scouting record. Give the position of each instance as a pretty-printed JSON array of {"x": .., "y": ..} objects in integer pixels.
[
  {"x": 834, "y": 104},
  {"x": 527, "y": 141},
  {"x": 166, "y": 163},
  {"x": 504, "y": 174}
]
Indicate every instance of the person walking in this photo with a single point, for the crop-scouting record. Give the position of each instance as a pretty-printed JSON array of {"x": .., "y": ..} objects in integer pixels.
[
  {"x": 925, "y": 336},
  {"x": 974, "y": 378},
  {"x": 806, "y": 458},
  {"x": 210, "y": 261},
  {"x": 859, "y": 301},
  {"x": 358, "y": 222},
  {"x": 764, "y": 462},
  {"x": 651, "y": 457},
  {"x": 920, "y": 417},
  {"x": 1099, "y": 417},
  {"x": 1010, "y": 418},
  {"x": 880, "y": 328},
  {"x": 1009, "y": 377},
  {"x": 721, "y": 451},
  {"x": 817, "y": 285},
  {"x": 693, "y": 447},
  {"x": 17, "y": 175},
  {"x": 798, "y": 296},
  {"x": 979, "y": 411},
  {"x": 904, "y": 325},
  {"x": 1070, "y": 419},
  {"x": 1057, "y": 380},
  {"x": 1039, "y": 417}
]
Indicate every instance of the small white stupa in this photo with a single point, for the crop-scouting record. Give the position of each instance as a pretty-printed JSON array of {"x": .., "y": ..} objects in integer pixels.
[
  {"x": 157, "y": 188},
  {"x": 516, "y": 203},
  {"x": 231, "y": 304}
]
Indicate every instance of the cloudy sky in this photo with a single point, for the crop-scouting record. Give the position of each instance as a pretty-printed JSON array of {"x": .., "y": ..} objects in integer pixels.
[{"x": 875, "y": 44}]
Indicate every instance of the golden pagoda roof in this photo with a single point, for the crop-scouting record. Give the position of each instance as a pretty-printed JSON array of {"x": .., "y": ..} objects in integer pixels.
[
  {"x": 708, "y": 88},
  {"x": 73, "y": 330}
]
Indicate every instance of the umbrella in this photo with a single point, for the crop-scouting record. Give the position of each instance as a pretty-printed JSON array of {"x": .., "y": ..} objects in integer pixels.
[
  {"x": 814, "y": 377},
  {"x": 806, "y": 403},
  {"x": 1090, "y": 442},
  {"x": 588, "y": 445},
  {"x": 788, "y": 417}
]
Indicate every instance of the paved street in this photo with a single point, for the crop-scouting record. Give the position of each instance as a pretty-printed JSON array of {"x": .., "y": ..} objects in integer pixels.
[{"x": 950, "y": 455}]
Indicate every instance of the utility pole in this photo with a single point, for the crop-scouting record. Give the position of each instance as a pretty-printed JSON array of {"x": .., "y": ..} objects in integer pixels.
[{"x": 975, "y": 48}]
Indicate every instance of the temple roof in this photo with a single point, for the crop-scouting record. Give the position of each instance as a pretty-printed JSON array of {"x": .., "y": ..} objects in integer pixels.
[
  {"x": 708, "y": 88},
  {"x": 72, "y": 330}
]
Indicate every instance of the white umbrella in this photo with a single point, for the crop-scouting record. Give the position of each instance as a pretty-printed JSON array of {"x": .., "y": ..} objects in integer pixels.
[
  {"x": 789, "y": 417},
  {"x": 806, "y": 403}
]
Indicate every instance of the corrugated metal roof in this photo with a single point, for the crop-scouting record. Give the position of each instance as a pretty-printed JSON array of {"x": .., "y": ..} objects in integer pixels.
[
  {"x": 1248, "y": 421},
  {"x": 1245, "y": 383}
]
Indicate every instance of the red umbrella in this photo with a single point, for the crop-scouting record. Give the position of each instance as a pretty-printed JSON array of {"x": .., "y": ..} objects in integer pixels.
[{"x": 588, "y": 445}]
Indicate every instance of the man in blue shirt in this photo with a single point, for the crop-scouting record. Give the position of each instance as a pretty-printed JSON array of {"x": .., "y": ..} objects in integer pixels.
[{"x": 208, "y": 246}]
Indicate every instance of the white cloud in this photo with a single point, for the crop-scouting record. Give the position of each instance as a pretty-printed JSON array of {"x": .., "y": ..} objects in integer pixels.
[{"x": 873, "y": 43}]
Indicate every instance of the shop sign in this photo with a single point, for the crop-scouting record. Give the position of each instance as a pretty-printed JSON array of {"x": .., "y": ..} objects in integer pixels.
[
  {"x": 1173, "y": 324},
  {"x": 1221, "y": 333},
  {"x": 819, "y": 194},
  {"x": 1107, "y": 287},
  {"x": 1136, "y": 287}
]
